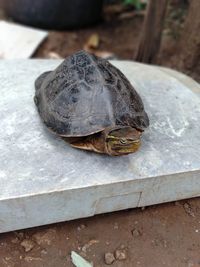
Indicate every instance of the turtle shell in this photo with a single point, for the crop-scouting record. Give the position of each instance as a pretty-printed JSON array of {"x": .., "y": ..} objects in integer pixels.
[{"x": 86, "y": 94}]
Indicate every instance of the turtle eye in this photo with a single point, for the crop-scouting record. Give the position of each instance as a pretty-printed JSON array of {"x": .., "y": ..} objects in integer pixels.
[{"x": 122, "y": 141}]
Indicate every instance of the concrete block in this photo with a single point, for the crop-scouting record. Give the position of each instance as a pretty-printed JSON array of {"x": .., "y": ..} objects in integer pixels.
[
  {"x": 26, "y": 38},
  {"x": 43, "y": 180}
]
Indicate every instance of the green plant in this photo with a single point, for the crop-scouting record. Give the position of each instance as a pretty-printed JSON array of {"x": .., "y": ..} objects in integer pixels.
[{"x": 136, "y": 3}]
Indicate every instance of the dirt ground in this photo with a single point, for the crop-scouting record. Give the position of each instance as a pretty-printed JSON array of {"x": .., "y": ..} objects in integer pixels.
[{"x": 161, "y": 235}]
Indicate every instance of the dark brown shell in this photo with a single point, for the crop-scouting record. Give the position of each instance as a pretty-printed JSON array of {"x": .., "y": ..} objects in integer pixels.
[{"x": 86, "y": 94}]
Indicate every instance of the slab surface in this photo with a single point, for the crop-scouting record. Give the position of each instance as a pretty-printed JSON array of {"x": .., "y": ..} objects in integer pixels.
[{"x": 44, "y": 180}]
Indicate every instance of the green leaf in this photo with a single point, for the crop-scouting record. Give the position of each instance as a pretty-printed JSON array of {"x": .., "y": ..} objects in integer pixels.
[
  {"x": 78, "y": 261},
  {"x": 135, "y": 3}
]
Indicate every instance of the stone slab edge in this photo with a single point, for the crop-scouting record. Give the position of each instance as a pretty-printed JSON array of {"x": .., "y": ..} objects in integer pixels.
[{"x": 57, "y": 206}]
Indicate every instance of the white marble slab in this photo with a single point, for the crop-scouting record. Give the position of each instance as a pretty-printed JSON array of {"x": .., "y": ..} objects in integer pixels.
[{"x": 43, "y": 180}]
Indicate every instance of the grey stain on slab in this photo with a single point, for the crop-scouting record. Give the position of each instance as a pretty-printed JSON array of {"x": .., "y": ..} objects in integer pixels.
[{"x": 34, "y": 162}]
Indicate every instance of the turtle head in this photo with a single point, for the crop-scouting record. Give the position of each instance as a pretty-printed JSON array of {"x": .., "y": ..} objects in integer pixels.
[{"x": 122, "y": 141}]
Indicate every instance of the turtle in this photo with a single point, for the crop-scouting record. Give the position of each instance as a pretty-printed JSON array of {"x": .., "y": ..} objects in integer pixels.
[{"x": 91, "y": 105}]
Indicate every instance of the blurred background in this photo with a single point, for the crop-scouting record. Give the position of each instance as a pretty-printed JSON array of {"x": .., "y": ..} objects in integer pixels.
[{"x": 115, "y": 29}]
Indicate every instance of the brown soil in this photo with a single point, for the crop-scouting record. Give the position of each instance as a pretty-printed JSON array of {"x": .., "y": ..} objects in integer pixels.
[
  {"x": 119, "y": 37},
  {"x": 162, "y": 235}
]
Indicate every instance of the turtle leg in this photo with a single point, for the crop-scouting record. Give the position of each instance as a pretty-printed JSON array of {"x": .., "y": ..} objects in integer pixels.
[
  {"x": 90, "y": 143},
  {"x": 85, "y": 146}
]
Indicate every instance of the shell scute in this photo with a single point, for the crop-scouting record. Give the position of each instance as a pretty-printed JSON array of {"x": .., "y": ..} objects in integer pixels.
[
  {"x": 86, "y": 94},
  {"x": 82, "y": 60}
]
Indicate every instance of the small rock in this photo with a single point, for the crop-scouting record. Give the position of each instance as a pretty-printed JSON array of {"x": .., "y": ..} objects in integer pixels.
[
  {"x": 116, "y": 226},
  {"x": 15, "y": 240},
  {"x": 158, "y": 242},
  {"x": 89, "y": 244},
  {"x": 188, "y": 209},
  {"x": 120, "y": 254},
  {"x": 143, "y": 208},
  {"x": 136, "y": 233},
  {"x": 109, "y": 258},
  {"x": 45, "y": 238},
  {"x": 44, "y": 252},
  {"x": 7, "y": 258},
  {"x": 28, "y": 245},
  {"x": 30, "y": 259},
  {"x": 81, "y": 227},
  {"x": 20, "y": 235},
  {"x": 84, "y": 249}
]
